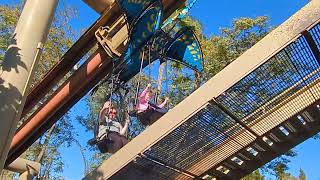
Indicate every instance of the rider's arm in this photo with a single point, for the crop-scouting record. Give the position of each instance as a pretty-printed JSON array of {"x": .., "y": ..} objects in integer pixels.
[
  {"x": 103, "y": 111},
  {"x": 144, "y": 92},
  {"x": 124, "y": 129},
  {"x": 163, "y": 103}
]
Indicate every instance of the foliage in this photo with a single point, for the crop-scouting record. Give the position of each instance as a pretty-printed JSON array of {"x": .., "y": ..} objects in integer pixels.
[
  {"x": 279, "y": 166},
  {"x": 221, "y": 50},
  {"x": 280, "y": 175},
  {"x": 302, "y": 175},
  {"x": 8, "y": 19},
  {"x": 255, "y": 175},
  {"x": 123, "y": 100},
  {"x": 60, "y": 36}
]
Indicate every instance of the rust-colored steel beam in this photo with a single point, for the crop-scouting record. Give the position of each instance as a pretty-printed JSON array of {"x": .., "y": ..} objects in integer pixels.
[
  {"x": 68, "y": 60},
  {"x": 78, "y": 50},
  {"x": 72, "y": 90}
]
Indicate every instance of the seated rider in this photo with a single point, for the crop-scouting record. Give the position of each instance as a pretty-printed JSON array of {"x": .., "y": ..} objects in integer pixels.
[
  {"x": 147, "y": 112},
  {"x": 111, "y": 134}
]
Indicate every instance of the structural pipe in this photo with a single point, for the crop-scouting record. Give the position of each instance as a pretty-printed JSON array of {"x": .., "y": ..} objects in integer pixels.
[
  {"x": 99, "y": 5},
  {"x": 26, "y": 176},
  {"x": 22, "y": 165},
  {"x": 86, "y": 75},
  {"x": 18, "y": 66}
]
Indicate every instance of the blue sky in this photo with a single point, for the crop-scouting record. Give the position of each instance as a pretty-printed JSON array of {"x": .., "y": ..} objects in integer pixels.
[{"x": 213, "y": 15}]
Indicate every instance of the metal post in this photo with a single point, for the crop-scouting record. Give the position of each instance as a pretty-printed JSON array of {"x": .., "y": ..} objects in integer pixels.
[
  {"x": 27, "y": 169},
  {"x": 26, "y": 176},
  {"x": 22, "y": 165},
  {"x": 18, "y": 66}
]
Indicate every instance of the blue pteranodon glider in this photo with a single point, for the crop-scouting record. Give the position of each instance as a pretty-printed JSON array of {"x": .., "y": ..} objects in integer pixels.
[
  {"x": 186, "y": 49},
  {"x": 134, "y": 8},
  {"x": 178, "y": 43},
  {"x": 171, "y": 41},
  {"x": 142, "y": 31},
  {"x": 184, "y": 46}
]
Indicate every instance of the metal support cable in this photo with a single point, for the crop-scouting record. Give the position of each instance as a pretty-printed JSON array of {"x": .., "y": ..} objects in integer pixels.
[
  {"x": 167, "y": 84},
  {"x": 299, "y": 73},
  {"x": 164, "y": 164},
  {"x": 230, "y": 114},
  {"x": 139, "y": 80},
  {"x": 149, "y": 62}
]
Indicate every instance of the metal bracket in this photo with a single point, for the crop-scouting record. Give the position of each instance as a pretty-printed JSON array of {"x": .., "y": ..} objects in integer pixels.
[{"x": 110, "y": 36}]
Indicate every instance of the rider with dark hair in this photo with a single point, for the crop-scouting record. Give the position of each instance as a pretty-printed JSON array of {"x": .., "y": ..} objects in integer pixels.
[{"x": 111, "y": 133}]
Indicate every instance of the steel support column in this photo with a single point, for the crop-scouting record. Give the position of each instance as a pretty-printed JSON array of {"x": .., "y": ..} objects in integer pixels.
[{"x": 18, "y": 66}]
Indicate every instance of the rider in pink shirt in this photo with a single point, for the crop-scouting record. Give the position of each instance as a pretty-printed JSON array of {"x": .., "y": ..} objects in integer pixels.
[{"x": 144, "y": 99}]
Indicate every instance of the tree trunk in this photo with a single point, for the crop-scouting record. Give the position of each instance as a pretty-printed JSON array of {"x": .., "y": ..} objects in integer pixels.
[
  {"x": 86, "y": 170},
  {"x": 47, "y": 171},
  {"x": 159, "y": 82},
  {"x": 45, "y": 145},
  {"x": 197, "y": 79}
]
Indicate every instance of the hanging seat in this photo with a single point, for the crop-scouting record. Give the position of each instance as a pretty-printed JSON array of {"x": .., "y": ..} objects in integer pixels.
[
  {"x": 149, "y": 116},
  {"x": 105, "y": 145}
]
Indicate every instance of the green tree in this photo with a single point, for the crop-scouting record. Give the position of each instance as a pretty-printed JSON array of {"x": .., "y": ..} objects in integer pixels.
[
  {"x": 286, "y": 176},
  {"x": 9, "y": 15},
  {"x": 279, "y": 166},
  {"x": 302, "y": 175},
  {"x": 220, "y": 50},
  {"x": 123, "y": 101},
  {"x": 255, "y": 175}
]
